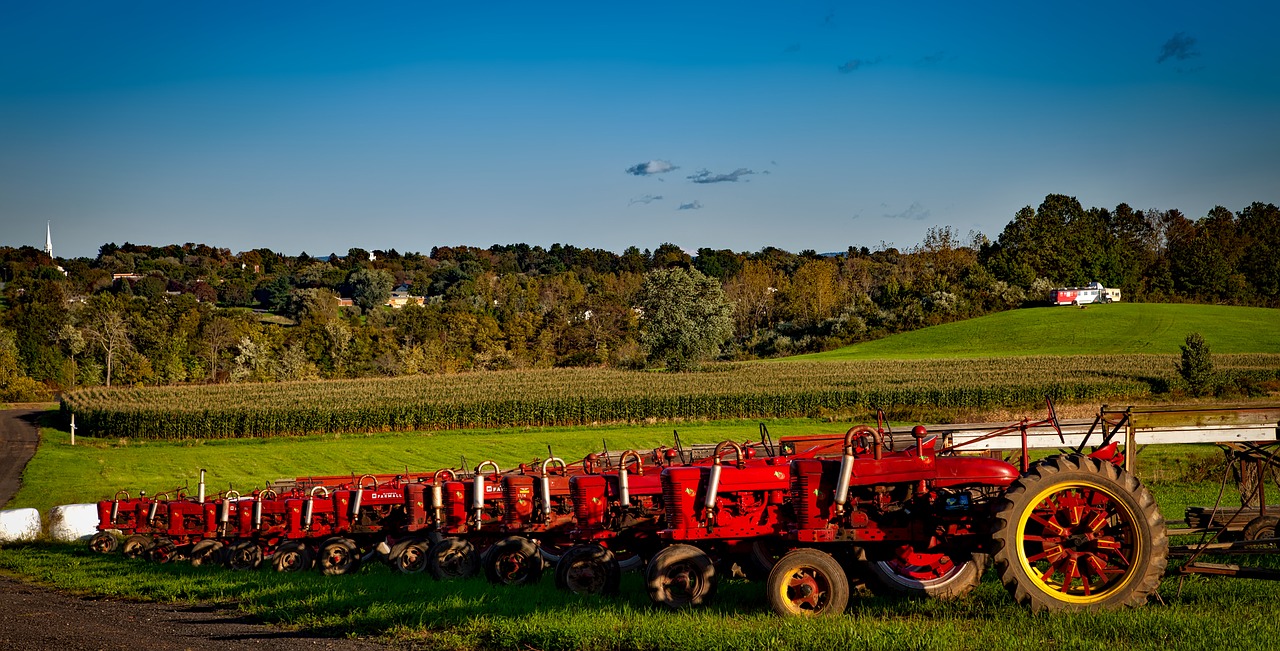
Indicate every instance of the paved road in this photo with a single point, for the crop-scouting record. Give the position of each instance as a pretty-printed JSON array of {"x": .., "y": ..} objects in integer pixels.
[{"x": 18, "y": 439}]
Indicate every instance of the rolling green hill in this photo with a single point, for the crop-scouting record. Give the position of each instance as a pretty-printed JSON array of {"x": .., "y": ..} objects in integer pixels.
[{"x": 1099, "y": 329}]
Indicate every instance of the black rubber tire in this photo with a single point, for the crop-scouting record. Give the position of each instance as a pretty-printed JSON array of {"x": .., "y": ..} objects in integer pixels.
[
  {"x": 412, "y": 556},
  {"x": 889, "y": 578},
  {"x": 452, "y": 558},
  {"x": 1124, "y": 519},
  {"x": 807, "y": 583},
  {"x": 162, "y": 551},
  {"x": 1263, "y": 526},
  {"x": 338, "y": 555},
  {"x": 589, "y": 569},
  {"x": 292, "y": 556},
  {"x": 104, "y": 542},
  {"x": 244, "y": 555},
  {"x": 136, "y": 546},
  {"x": 680, "y": 576},
  {"x": 513, "y": 561},
  {"x": 208, "y": 552}
]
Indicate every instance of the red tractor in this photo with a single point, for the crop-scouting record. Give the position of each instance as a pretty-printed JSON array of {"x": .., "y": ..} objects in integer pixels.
[{"x": 1071, "y": 532}]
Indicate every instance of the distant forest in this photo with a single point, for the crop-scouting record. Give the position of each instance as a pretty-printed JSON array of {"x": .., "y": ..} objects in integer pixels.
[{"x": 198, "y": 313}]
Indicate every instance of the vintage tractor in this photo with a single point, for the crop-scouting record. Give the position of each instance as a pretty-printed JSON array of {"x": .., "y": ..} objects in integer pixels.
[{"x": 1073, "y": 531}]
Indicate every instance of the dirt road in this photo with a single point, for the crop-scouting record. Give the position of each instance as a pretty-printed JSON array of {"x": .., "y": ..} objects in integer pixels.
[
  {"x": 18, "y": 439},
  {"x": 37, "y": 618}
]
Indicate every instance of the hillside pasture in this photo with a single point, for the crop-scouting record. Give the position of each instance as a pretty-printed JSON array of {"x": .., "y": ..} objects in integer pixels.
[{"x": 1113, "y": 329}]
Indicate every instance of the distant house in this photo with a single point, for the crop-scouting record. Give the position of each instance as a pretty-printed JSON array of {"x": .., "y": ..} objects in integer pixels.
[
  {"x": 130, "y": 277},
  {"x": 401, "y": 297}
]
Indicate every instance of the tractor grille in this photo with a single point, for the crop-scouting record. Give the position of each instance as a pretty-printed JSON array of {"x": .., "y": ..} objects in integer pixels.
[
  {"x": 803, "y": 500},
  {"x": 581, "y": 510},
  {"x": 674, "y": 506}
]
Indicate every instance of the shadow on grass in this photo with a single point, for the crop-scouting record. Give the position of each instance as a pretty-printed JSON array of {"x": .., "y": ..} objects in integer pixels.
[{"x": 472, "y": 614}]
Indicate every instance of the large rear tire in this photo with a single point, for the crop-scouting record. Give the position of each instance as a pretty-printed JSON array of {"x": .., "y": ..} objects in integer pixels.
[
  {"x": 1078, "y": 533},
  {"x": 681, "y": 576},
  {"x": 807, "y": 583}
]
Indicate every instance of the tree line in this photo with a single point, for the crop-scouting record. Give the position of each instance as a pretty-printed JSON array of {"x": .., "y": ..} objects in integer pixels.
[{"x": 138, "y": 314}]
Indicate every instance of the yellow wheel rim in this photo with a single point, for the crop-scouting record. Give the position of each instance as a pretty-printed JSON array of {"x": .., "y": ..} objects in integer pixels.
[
  {"x": 805, "y": 589},
  {"x": 1079, "y": 542}
]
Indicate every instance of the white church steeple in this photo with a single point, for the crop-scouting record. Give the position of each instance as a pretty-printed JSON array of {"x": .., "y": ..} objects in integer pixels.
[{"x": 48, "y": 239}]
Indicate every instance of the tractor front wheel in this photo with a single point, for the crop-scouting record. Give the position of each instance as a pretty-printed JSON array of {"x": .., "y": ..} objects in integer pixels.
[
  {"x": 513, "y": 561},
  {"x": 680, "y": 576},
  {"x": 245, "y": 555},
  {"x": 1079, "y": 533},
  {"x": 589, "y": 569},
  {"x": 338, "y": 556},
  {"x": 207, "y": 552},
  {"x": 452, "y": 558},
  {"x": 410, "y": 556},
  {"x": 292, "y": 556},
  {"x": 104, "y": 542},
  {"x": 163, "y": 551},
  {"x": 807, "y": 582},
  {"x": 136, "y": 546}
]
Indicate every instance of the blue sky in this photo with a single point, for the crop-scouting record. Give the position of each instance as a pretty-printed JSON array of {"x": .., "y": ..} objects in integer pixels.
[{"x": 322, "y": 126}]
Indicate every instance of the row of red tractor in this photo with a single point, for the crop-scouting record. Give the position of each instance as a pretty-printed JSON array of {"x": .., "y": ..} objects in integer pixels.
[{"x": 805, "y": 514}]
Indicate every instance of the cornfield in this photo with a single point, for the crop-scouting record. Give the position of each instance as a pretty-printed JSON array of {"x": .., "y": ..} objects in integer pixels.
[{"x": 557, "y": 397}]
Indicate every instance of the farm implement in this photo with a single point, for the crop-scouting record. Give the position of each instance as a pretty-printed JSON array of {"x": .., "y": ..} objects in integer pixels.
[{"x": 920, "y": 513}]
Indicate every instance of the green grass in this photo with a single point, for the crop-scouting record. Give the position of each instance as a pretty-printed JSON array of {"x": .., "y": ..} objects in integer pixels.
[
  {"x": 97, "y": 468},
  {"x": 1119, "y": 328}
]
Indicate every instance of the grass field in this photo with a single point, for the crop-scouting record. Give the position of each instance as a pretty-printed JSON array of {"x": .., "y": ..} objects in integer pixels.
[{"x": 1118, "y": 328}]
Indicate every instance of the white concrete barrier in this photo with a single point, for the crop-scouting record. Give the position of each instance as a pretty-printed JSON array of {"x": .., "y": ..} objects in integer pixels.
[
  {"x": 73, "y": 522},
  {"x": 17, "y": 525}
]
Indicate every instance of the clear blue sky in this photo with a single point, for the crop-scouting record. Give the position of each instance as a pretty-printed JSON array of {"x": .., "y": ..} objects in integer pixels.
[{"x": 319, "y": 126}]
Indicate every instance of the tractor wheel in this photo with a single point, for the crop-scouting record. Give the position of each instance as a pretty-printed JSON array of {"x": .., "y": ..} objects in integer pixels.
[
  {"x": 933, "y": 575},
  {"x": 807, "y": 582},
  {"x": 1079, "y": 533},
  {"x": 452, "y": 558},
  {"x": 135, "y": 546},
  {"x": 681, "y": 576},
  {"x": 292, "y": 556},
  {"x": 104, "y": 542},
  {"x": 338, "y": 556},
  {"x": 1263, "y": 526},
  {"x": 513, "y": 561},
  {"x": 411, "y": 558},
  {"x": 208, "y": 552},
  {"x": 245, "y": 555},
  {"x": 589, "y": 569},
  {"x": 162, "y": 551}
]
